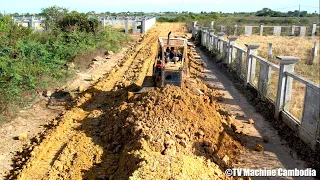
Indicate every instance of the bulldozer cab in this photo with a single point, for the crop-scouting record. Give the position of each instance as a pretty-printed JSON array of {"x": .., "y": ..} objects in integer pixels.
[{"x": 170, "y": 65}]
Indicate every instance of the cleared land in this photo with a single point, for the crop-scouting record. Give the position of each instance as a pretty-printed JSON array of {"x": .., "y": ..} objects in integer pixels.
[{"x": 110, "y": 133}]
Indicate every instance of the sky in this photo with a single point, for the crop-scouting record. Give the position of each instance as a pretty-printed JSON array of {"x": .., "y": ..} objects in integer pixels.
[{"x": 34, "y": 6}]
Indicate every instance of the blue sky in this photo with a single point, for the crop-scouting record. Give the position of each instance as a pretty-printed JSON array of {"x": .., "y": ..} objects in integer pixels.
[{"x": 34, "y": 6}]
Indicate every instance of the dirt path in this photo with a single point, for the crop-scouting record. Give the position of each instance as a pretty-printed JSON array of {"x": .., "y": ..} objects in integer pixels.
[
  {"x": 276, "y": 153},
  {"x": 31, "y": 120}
]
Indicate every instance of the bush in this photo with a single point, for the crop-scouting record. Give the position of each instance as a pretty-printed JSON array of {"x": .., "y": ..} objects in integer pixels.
[
  {"x": 78, "y": 21},
  {"x": 31, "y": 61}
]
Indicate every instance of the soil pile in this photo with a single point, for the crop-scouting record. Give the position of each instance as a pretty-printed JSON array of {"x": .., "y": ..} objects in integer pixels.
[{"x": 169, "y": 133}]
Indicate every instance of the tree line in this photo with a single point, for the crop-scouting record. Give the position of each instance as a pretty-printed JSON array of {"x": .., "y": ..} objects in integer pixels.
[{"x": 265, "y": 12}]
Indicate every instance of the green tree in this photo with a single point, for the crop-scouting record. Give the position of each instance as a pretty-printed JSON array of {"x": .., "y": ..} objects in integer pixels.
[
  {"x": 216, "y": 15},
  {"x": 77, "y": 21},
  {"x": 52, "y": 14},
  {"x": 264, "y": 12}
]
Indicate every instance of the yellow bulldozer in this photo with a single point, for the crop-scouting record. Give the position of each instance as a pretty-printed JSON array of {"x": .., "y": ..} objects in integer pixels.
[{"x": 171, "y": 64}]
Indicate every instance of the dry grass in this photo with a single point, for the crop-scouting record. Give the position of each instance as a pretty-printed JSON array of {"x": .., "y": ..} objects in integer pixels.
[{"x": 301, "y": 47}]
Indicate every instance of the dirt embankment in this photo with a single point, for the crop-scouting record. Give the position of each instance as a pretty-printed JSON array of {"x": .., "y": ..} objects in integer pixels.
[{"x": 110, "y": 133}]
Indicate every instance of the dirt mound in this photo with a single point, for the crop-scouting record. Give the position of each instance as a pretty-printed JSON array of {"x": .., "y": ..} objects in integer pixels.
[
  {"x": 180, "y": 135},
  {"x": 164, "y": 134},
  {"x": 168, "y": 133}
]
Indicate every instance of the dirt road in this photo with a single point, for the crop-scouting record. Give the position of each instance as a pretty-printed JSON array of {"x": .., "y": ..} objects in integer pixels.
[
  {"x": 70, "y": 146},
  {"x": 110, "y": 133}
]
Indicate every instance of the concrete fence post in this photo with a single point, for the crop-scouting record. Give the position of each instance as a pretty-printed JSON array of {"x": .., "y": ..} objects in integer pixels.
[
  {"x": 251, "y": 62},
  {"x": 215, "y": 42},
  {"x": 220, "y": 43},
  {"x": 270, "y": 52},
  {"x": 221, "y": 28},
  {"x": 303, "y": 30},
  {"x": 30, "y": 23},
  {"x": 235, "y": 30},
  {"x": 134, "y": 26},
  {"x": 126, "y": 30},
  {"x": 33, "y": 23},
  {"x": 231, "y": 51},
  {"x": 239, "y": 62},
  {"x": 197, "y": 32},
  {"x": 293, "y": 29},
  {"x": 261, "y": 29},
  {"x": 202, "y": 34},
  {"x": 313, "y": 29},
  {"x": 248, "y": 30},
  {"x": 225, "y": 50},
  {"x": 264, "y": 79},
  {"x": 194, "y": 23},
  {"x": 199, "y": 36},
  {"x": 212, "y": 25},
  {"x": 104, "y": 22},
  {"x": 277, "y": 30},
  {"x": 204, "y": 38},
  {"x": 284, "y": 84},
  {"x": 143, "y": 26},
  {"x": 314, "y": 54},
  {"x": 211, "y": 43},
  {"x": 208, "y": 40}
]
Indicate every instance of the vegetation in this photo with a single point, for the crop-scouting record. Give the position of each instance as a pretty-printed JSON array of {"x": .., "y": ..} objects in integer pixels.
[
  {"x": 52, "y": 14},
  {"x": 31, "y": 61},
  {"x": 78, "y": 20},
  {"x": 265, "y": 16},
  {"x": 188, "y": 18},
  {"x": 219, "y": 19}
]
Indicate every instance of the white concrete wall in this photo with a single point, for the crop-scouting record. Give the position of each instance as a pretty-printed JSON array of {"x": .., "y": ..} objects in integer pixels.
[
  {"x": 116, "y": 22},
  {"x": 25, "y": 24},
  {"x": 149, "y": 23}
]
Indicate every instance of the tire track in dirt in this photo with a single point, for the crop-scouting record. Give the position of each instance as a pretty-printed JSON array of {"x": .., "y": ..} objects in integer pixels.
[{"x": 67, "y": 145}]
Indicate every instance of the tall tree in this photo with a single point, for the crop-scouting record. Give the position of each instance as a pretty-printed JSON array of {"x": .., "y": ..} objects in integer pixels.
[{"x": 52, "y": 14}]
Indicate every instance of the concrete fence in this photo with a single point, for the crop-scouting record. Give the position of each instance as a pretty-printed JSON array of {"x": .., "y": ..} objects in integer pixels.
[
  {"x": 244, "y": 62},
  {"x": 36, "y": 23},
  {"x": 140, "y": 24},
  {"x": 270, "y": 30}
]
